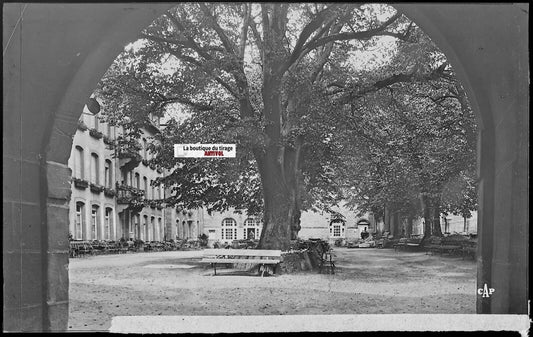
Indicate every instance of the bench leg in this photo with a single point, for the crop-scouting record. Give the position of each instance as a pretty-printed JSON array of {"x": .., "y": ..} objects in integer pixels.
[{"x": 214, "y": 267}]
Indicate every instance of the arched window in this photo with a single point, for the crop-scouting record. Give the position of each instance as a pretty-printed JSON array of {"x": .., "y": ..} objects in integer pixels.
[
  {"x": 252, "y": 228},
  {"x": 94, "y": 168},
  {"x": 108, "y": 174},
  {"x": 151, "y": 230},
  {"x": 144, "y": 229},
  {"x": 78, "y": 162},
  {"x": 160, "y": 234},
  {"x": 136, "y": 227},
  {"x": 94, "y": 222},
  {"x": 229, "y": 229},
  {"x": 79, "y": 221},
  {"x": 152, "y": 196},
  {"x": 137, "y": 181},
  {"x": 337, "y": 229},
  {"x": 108, "y": 224},
  {"x": 145, "y": 187}
]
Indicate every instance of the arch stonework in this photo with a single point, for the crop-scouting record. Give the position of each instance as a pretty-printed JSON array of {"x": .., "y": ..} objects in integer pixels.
[{"x": 54, "y": 55}]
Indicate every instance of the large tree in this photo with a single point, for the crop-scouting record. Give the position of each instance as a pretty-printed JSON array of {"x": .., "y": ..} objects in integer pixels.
[{"x": 260, "y": 76}]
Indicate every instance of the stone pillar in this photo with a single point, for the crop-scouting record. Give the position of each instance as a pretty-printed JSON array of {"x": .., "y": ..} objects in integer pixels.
[{"x": 57, "y": 252}]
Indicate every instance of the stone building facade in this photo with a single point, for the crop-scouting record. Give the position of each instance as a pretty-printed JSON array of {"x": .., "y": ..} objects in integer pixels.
[{"x": 113, "y": 193}]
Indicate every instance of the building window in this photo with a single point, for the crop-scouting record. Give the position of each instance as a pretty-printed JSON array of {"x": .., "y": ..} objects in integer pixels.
[
  {"x": 145, "y": 185},
  {"x": 108, "y": 223},
  {"x": 252, "y": 228},
  {"x": 136, "y": 227},
  {"x": 159, "y": 229},
  {"x": 108, "y": 174},
  {"x": 94, "y": 168},
  {"x": 152, "y": 229},
  {"x": 78, "y": 222},
  {"x": 96, "y": 123},
  {"x": 94, "y": 223},
  {"x": 152, "y": 196},
  {"x": 123, "y": 177},
  {"x": 144, "y": 235},
  {"x": 158, "y": 191},
  {"x": 336, "y": 229},
  {"x": 137, "y": 181},
  {"x": 78, "y": 162},
  {"x": 229, "y": 229}
]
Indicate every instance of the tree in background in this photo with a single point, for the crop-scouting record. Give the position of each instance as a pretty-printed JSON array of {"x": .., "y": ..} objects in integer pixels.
[{"x": 415, "y": 136}]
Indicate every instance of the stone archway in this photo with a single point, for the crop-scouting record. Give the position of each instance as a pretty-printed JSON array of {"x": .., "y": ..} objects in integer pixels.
[{"x": 54, "y": 54}]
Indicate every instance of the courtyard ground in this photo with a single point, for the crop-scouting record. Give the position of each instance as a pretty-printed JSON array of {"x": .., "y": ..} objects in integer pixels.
[{"x": 367, "y": 281}]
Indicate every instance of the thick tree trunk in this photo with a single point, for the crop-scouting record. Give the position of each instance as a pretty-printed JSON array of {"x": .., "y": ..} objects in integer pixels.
[
  {"x": 436, "y": 219},
  {"x": 278, "y": 162},
  {"x": 279, "y": 206},
  {"x": 424, "y": 203},
  {"x": 395, "y": 224},
  {"x": 409, "y": 227}
]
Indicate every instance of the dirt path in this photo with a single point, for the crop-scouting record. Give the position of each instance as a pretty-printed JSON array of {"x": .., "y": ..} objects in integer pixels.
[{"x": 368, "y": 281}]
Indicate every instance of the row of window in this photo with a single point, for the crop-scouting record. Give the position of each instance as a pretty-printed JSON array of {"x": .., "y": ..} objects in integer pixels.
[
  {"x": 110, "y": 131},
  {"x": 94, "y": 168},
  {"x": 128, "y": 177},
  {"x": 147, "y": 230},
  {"x": 251, "y": 230},
  {"x": 134, "y": 179},
  {"x": 187, "y": 230},
  {"x": 95, "y": 230}
]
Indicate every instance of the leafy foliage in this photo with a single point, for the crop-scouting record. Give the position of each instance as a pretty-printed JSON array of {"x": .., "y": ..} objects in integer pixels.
[{"x": 313, "y": 124}]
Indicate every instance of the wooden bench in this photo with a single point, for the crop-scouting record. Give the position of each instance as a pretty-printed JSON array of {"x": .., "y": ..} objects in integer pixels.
[
  {"x": 260, "y": 257},
  {"x": 400, "y": 244},
  {"x": 450, "y": 245},
  {"x": 470, "y": 249},
  {"x": 79, "y": 248}
]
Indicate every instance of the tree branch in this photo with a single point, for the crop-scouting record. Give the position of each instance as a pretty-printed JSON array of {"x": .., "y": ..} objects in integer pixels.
[
  {"x": 244, "y": 30},
  {"x": 199, "y": 65},
  {"x": 191, "y": 43},
  {"x": 307, "y": 31},
  {"x": 257, "y": 37},
  {"x": 228, "y": 44},
  {"x": 363, "y": 35},
  {"x": 169, "y": 100}
]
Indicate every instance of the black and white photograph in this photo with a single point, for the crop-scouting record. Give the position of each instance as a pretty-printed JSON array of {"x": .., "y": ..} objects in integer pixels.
[{"x": 237, "y": 167}]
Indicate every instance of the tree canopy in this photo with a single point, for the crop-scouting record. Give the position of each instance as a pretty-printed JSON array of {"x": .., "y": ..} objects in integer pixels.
[{"x": 314, "y": 123}]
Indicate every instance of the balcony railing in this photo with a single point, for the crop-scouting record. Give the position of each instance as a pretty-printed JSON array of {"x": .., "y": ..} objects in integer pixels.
[
  {"x": 129, "y": 159},
  {"x": 129, "y": 194}
]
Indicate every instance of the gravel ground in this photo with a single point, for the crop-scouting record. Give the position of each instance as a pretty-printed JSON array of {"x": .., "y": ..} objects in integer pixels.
[{"x": 368, "y": 281}]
